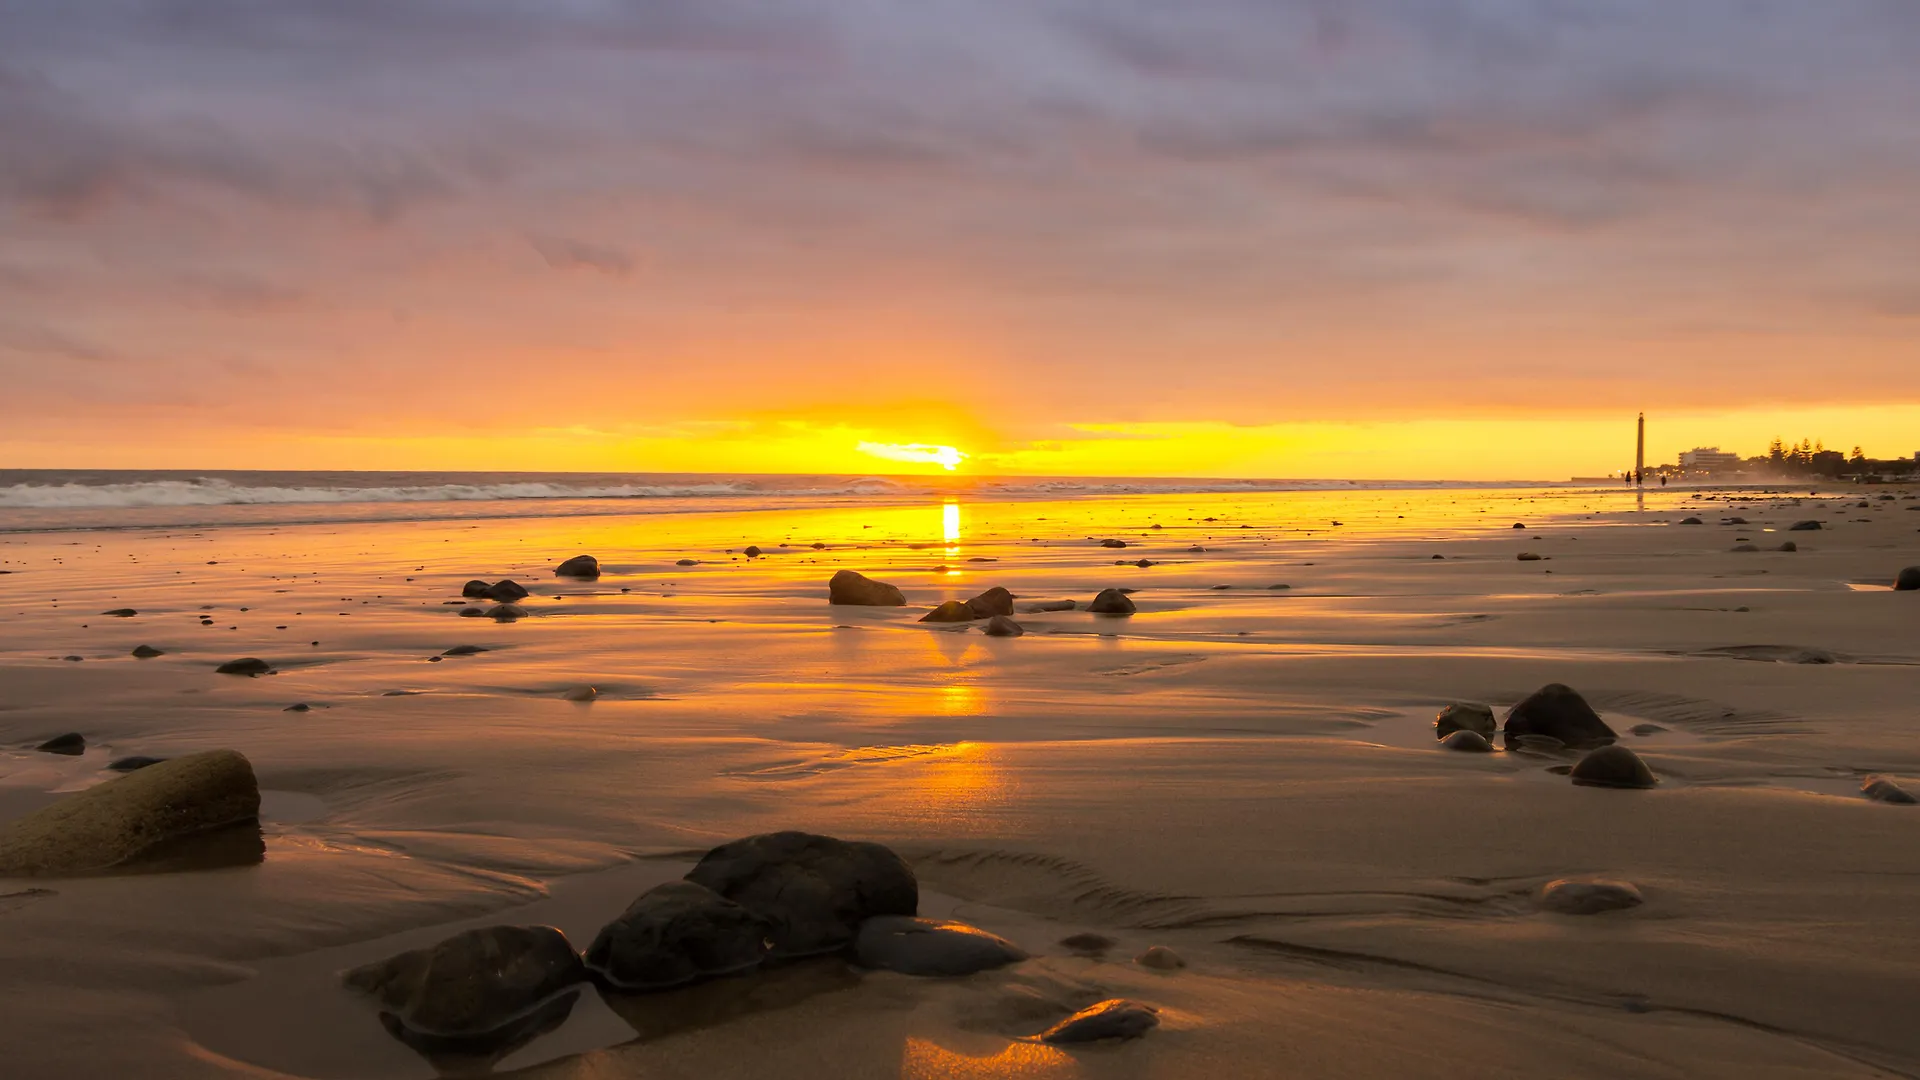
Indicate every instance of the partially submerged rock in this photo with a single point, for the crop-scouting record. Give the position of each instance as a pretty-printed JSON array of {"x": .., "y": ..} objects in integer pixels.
[
  {"x": 477, "y": 983},
  {"x": 147, "y": 652},
  {"x": 953, "y": 611},
  {"x": 1691, "y": 521},
  {"x": 1111, "y": 602},
  {"x": 1907, "y": 580},
  {"x": 995, "y": 601},
  {"x": 506, "y": 591},
  {"x": 1051, "y": 605},
  {"x": 121, "y": 613},
  {"x": 465, "y": 650},
  {"x": 1001, "y": 626},
  {"x": 1469, "y": 742},
  {"x": 133, "y": 762},
  {"x": 117, "y": 821},
  {"x": 475, "y": 589},
  {"x": 1115, "y": 1018},
  {"x": 1613, "y": 766},
  {"x": 674, "y": 934},
  {"x": 585, "y": 567},
  {"x": 1528, "y": 556},
  {"x": 1160, "y": 958},
  {"x": 1881, "y": 789},
  {"x": 581, "y": 693},
  {"x": 1087, "y": 943},
  {"x": 1461, "y": 716},
  {"x": 246, "y": 665},
  {"x": 913, "y": 946},
  {"x": 856, "y": 589},
  {"x": 1805, "y": 526},
  {"x": 1588, "y": 897},
  {"x": 504, "y": 612},
  {"x": 815, "y": 891},
  {"x": 1557, "y": 711},
  {"x": 71, "y": 744}
]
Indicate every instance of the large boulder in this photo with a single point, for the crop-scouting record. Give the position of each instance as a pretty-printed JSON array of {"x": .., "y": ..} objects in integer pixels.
[
  {"x": 674, "y": 934},
  {"x": 1557, "y": 711},
  {"x": 1001, "y": 626},
  {"x": 506, "y": 591},
  {"x": 995, "y": 601},
  {"x": 477, "y": 983},
  {"x": 71, "y": 744},
  {"x": 1111, "y": 602},
  {"x": 1908, "y": 580},
  {"x": 1461, "y": 716},
  {"x": 475, "y": 589},
  {"x": 859, "y": 590},
  {"x": 585, "y": 567},
  {"x": 117, "y": 821},
  {"x": 813, "y": 890},
  {"x": 913, "y": 946},
  {"x": 951, "y": 611}
]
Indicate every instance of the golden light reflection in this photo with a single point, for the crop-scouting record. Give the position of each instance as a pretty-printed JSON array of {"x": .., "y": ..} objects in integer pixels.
[
  {"x": 946, "y": 457},
  {"x": 922, "y": 1059},
  {"x": 960, "y": 699},
  {"x": 950, "y": 526}
]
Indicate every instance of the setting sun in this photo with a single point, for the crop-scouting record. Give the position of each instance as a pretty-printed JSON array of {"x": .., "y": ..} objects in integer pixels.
[{"x": 946, "y": 457}]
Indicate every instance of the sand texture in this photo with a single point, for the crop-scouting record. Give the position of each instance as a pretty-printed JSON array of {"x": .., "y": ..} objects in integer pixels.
[{"x": 1248, "y": 776}]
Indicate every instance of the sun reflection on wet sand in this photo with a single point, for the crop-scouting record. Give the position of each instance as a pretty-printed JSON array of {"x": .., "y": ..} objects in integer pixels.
[{"x": 922, "y": 1059}]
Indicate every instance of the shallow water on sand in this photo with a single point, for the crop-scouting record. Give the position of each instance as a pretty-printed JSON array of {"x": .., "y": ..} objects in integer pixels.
[{"x": 1246, "y": 773}]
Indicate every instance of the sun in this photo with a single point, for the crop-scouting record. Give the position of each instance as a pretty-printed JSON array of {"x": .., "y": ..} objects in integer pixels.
[{"x": 947, "y": 457}]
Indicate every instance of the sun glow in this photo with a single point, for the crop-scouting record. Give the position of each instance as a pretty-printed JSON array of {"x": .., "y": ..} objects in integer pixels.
[{"x": 946, "y": 457}]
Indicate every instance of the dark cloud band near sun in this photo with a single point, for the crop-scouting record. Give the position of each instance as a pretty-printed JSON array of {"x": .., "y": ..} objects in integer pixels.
[{"x": 453, "y": 226}]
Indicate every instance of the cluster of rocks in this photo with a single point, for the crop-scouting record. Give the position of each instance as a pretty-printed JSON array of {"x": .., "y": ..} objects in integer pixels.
[
  {"x": 504, "y": 591},
  {"x": 754, "y": 903},
  {"x": 1551, "y": 719},
  {"x": 851, "y": 588}
]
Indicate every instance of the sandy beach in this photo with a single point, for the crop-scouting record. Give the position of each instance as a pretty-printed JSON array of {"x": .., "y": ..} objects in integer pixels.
[{"x": 1245, "y": 771}]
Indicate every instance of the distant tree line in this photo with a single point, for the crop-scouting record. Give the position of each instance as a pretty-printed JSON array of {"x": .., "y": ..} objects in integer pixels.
[{"x": 1810, "y": 457}]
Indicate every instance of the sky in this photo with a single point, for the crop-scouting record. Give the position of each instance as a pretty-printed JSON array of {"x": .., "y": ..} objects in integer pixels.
[{"x": 1352, "y": 238}]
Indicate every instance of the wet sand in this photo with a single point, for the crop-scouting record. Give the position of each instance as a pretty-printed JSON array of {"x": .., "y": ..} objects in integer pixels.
[{"x": 1247, "y": 775}]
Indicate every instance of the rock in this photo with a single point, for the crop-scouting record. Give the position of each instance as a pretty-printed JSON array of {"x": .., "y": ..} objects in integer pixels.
[
  {"x": 1691, "y": 521},
  {"x": 1805, "y": 526},
  {"x": 1465, "y": 717},
  {"x": 995, "y": 601},
  {"x": 1908, "y": 580},
  {"x": 1643, "y": 730},
  {"x": 1735, "y": 521},
  {"x": 1558, "y": 712},
  {"x": 581, "y": 693},
  {"x": 848, "y": 587},
  {"x": 1001, "y": 626},
  {"x": 505, "y": 612},
  {"x": 1788, "y": 546},
  {"x": 1588, "y": 897},
  {"x": 1160, "y": 958},
  {"x": 1881, "y": 789},
  {"x": 1519, "y": 525},
  {"x": 1111, "y": 602},
  {"x": 580, "y": 566},
  {"x": 1613, "y": 766},
  {"x": 1115, "y": 1018},
  {"x": 1143, "y": 563},
  {"x": 1468, "y": 742},
  {"x": 1087, "y": 944},
  {"x": 813, "y": 890},
  {"x": 246, "y": 665},
  {"x": 475, "y": 589},
  {"x": 953, "y": 611},
  {"x": 1746, "y": 547},
  {"x": 110, "y": 823},
  {"x": 1051, "y": 605},
  {"x": 675, "y": 934},
  {"x": 121, "y": 613},
  {"x": 687, "y": 562},
  {"x": 72, "y": 744},
  {"x": 465, "y": 650},
  {"x": 1528, "y": 556},
  {"x": 506, "y": 592},
  {"x": 1113, "y": 543},
  {"x": 133, "y": 763},
  {"x": 1289, "y": 586},
  {"x": 913, "y": 946},
  {"x": 298, "y": 707},
  {"x": 472, "y": 613},
  {"x": 147, "y": 652},
  {"x": 475, "y": 983},
  {"x": 753, "y": 551}
]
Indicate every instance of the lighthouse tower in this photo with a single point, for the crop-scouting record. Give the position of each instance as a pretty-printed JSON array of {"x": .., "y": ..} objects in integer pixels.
[{"x": 1640, "y": 454}]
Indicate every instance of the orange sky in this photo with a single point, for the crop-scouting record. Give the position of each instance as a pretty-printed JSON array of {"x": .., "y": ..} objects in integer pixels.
[{"x": 1385, "y": 238}]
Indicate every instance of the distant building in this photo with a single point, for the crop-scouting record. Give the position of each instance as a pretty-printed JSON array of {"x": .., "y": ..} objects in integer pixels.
[{"x": 1708, "y": 459}]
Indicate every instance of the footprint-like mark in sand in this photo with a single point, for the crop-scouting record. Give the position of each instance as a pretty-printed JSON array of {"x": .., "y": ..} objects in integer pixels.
[
  {"x": 1698, "y": 716},
  {"x": 14, "y": 901},
  {"x": 841, "y": 759},
  {"x": 1147, "y": 667}
]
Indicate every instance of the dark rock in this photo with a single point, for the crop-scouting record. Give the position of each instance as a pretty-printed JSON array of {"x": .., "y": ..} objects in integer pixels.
[
  {"x": 1470, "y": 742},
  {"x": 995, "y": 601},
  {"x": 1519, "y": 525},
  {"x": 1001, "y": 626},
  {"x": 580, "y": 566},
  {"x": 505, "y": 612},
  {"x": 1613, "y": 766},
  {"x": 1113, "y": 543},
  {"x": 753, "y": 551},
  {"x": 1643, "y": 730},
  {"x": 952, "y": 611},
  {"x": 675, "y": 934},
  {"x": 1527, "y": 556},
  {"x": 1279, "y": 586},
  {"x": 1735, "y": 521},
  {"x": 1051, "y": 605},
  {"x": 1115, "y": 1018},
  {"x": 133, "y": 763},
  {"x": 1881, "y": 789},
  {"x": 475, "y": 589},
  {"x": 464, "y": 650},
  {"x": 474, "y": 983},
  {"x": 1111, "y": 602},
  {"x": 472, "y": 613},
  {"x": 913, "y": 946},
  {"x": 1788, "y": 546},
  {"x": 147, "y": 652},
  {"x": 1805, "y": 526},
  {"x": 814, "y": 890},
  {"x": 1907, "y": 580},
  {"x": 72, "y": 744},
  {"x": 112, "y": 823},
  {"x": 1588, "y": 897},
  {"x": 1691, "y": 521},
  {"x": 1220, "y": 588},
  {"x": 1746, "y": 547},
  {"x": 1088, "y": 944},
  {"x": 506, "y": 592},
  {"x": 1558, "y": 711},
  {"x": 298, "y": 707},
  {"x": 246, "y": 665},
  {"x": 1160, "y": 958},
  {"x": 121, "y": 613},
  {"x": 849, "y": 587},
  {"x": 1465, "y": 717},
  {"x": 688, "y": 562}
]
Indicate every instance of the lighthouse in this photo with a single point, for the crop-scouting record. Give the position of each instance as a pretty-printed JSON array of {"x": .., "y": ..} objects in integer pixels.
[{"x": 1640, "y": 453}]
